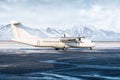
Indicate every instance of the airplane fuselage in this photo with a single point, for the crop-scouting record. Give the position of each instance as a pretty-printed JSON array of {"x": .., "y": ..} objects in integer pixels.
[
  {"x": 22, "y": 36},
  {"x": 54, "y": 42}
]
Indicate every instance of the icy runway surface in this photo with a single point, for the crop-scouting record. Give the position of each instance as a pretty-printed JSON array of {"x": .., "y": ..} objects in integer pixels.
[{"x": 22, "y": 62}]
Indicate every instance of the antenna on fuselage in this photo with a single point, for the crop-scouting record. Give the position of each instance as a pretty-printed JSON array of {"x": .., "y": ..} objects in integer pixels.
[{"x": 64, "y": 35}]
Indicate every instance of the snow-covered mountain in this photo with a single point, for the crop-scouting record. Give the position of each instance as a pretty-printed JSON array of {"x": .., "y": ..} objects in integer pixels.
[
  {"x": 5, "y": 32},
  {"x": 72, "y": 31}
]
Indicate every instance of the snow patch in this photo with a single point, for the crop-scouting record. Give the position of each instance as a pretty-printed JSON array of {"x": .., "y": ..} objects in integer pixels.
[{"x": 70, "y": 31}]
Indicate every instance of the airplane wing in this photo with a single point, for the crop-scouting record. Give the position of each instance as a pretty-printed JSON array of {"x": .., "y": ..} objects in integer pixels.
[
  {"x": 68, "y": 39},
  {"x": 73, "y": 39}
]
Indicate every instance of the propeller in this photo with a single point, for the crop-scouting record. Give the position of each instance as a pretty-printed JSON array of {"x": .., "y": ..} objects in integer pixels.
[{"x": 79, "y": 38}]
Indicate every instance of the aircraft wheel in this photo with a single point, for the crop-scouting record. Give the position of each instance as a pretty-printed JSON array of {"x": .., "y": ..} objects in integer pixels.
[
  {"x": 64, "y": 49},
  {"x": 91, "y": 48},
  {"x": 56, "y": 48}
]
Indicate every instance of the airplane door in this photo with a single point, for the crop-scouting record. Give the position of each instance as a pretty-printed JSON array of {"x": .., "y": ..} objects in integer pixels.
[{"x": 38, "y": 42}]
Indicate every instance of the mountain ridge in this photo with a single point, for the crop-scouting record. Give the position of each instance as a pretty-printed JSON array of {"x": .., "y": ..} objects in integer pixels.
[{"x": 72, "y": 31}]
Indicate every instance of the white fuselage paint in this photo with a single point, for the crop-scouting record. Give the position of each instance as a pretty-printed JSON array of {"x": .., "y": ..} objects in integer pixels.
[
  {"x": 20, "y": 35},
  {"x": 52, "y": 42}
]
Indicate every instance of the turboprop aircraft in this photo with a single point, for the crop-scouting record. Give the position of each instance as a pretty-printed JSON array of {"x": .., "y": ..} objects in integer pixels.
[{"x": 22, "y": 36}]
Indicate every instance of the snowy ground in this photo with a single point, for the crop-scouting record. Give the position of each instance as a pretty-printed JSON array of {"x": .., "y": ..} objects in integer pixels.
[{"x": 22, "y": 62}]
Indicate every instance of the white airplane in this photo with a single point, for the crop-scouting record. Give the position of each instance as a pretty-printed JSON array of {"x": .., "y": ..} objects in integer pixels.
[{"x": 22, "y": 36}]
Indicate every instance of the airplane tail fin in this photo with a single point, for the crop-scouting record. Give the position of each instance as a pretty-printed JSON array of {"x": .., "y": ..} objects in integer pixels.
[{"x": 18, "y": 32}]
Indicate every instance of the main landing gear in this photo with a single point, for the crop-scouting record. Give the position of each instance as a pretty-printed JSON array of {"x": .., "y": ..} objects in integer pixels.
[
  {"x": 56, "y": 48},
  {"x": 91, "y": 48},
  {"x": 64, "y": 49}
]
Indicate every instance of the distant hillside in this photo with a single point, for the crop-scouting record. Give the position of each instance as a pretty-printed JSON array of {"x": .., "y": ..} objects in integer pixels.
[{"x": 74, "y": 31}]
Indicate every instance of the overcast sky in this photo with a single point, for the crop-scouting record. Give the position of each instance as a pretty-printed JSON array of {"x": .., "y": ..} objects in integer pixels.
[{"x": 103, "y": 14}]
